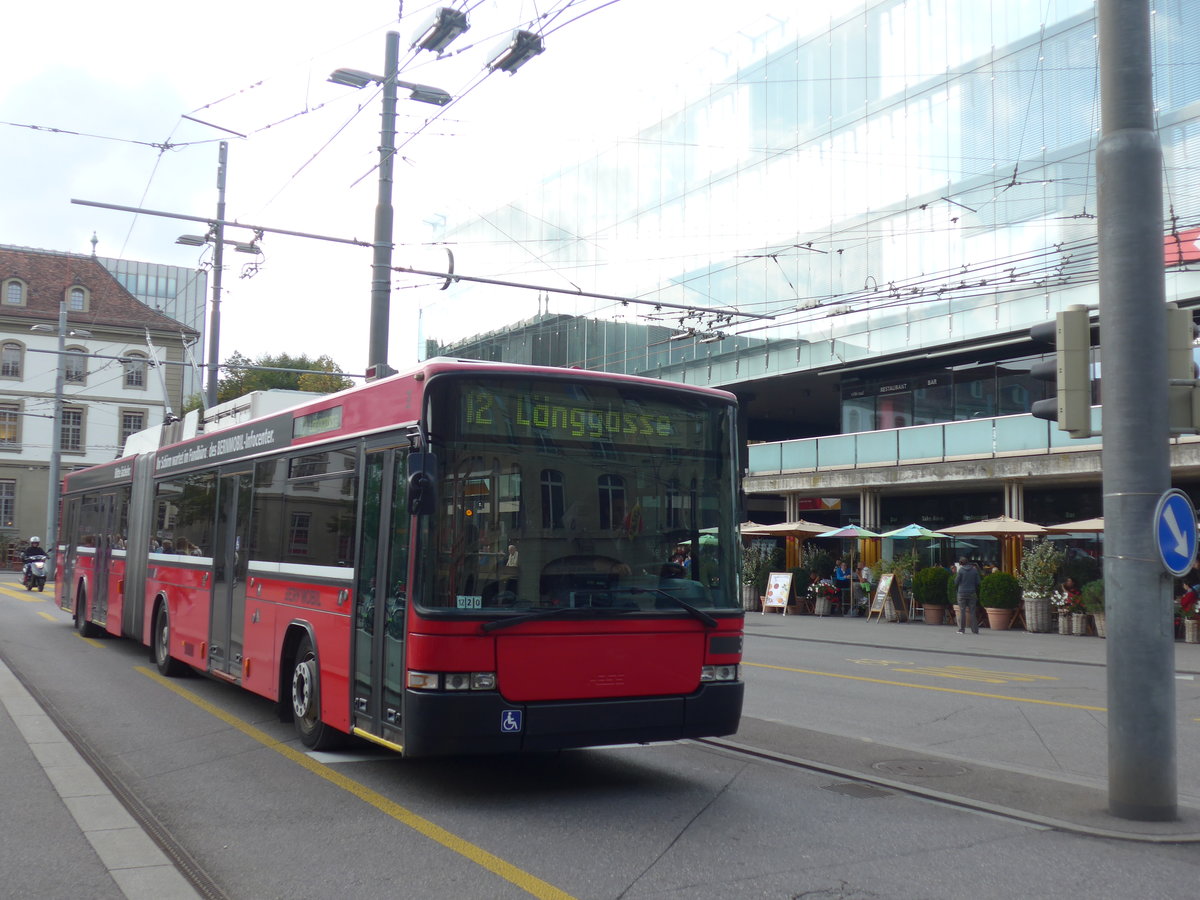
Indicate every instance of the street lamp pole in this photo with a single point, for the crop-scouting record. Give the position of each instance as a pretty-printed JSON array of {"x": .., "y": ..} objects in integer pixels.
[
  {"x": 214, "y": 318},
  {"x": 53, "y": 494},
  {"x": 381, "y": 260}
]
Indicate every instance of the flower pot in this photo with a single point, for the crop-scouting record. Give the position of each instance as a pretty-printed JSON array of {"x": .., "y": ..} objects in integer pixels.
[
  {"x": 822, "y": 606},
  {"x": 934, "y": 615},
  {"x": 999, "y": 619},
  {"x": 1191, "y": 631},
  {"x": 1037, "y": 614},
  {"x": 1078, "y": 624},
  {"x": 1064, "y": 623},
  {"x": 750, "y": 601},
  {"x": 1100, "y": 623}
]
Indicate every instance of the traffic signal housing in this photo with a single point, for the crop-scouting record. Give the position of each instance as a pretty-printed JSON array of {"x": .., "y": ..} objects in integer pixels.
[
  {"x": 1184, "y": 402},
  {"x": 1070, "y": 371}
]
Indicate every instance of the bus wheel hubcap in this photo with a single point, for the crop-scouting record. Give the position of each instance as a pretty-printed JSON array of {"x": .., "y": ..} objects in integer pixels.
[{"x": 302, "y": 685}]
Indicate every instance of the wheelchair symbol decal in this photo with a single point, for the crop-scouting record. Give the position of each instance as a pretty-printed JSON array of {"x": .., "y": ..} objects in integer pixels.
[{"x": 510, "y": 721}]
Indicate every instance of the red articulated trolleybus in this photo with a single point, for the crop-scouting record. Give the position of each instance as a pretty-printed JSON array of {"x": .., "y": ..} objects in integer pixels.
[{"x": 468, "y": 558}]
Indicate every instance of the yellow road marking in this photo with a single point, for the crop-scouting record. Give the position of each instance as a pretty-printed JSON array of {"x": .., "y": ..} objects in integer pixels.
[
  {"x": 929, "y": 687},
  {"x": 49, "y": 616},
  {"x": 89, "y": 641},
  {"x": 527, "y": 882},
  {"x": 965, "y": 673}
]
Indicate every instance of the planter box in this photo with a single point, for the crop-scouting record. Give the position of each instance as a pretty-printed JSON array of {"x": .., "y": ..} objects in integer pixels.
[{"x": 1037, "y": 614}]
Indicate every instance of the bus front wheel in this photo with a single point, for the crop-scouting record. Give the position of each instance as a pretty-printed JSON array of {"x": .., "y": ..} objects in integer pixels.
[
  {"x": 82, "y": 625},
  {"x": 306, "y": 701}
]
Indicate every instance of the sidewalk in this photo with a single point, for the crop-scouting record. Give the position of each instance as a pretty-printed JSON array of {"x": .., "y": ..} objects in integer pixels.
[
  {"x": 66, "y": 834},
  {"x": 1039, "y": 799}
]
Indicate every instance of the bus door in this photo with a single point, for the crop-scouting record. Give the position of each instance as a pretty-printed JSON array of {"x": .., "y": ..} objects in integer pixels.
[
  {"x": 381, "y": 595},
  {"x": 230, "y": 560},
  {"x": 99, "y": 510}
]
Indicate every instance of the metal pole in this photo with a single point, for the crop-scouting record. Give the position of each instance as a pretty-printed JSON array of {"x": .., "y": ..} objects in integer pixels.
[
  {"x": 53, "y": 494},
  {"x": 381, "y": 263},
  {"x": 1136, "y": 462},
  {"x": 214, "y": 318}
]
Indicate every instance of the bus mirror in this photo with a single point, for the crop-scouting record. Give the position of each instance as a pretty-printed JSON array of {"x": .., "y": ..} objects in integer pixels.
[{"x": 422, "y": 484}]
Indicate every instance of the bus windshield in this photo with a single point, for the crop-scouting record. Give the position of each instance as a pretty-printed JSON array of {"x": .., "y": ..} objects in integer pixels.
[{"x": 606, "y": 498}]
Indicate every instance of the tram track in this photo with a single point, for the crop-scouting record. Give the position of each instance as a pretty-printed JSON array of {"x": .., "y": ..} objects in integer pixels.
[
  {"x": 184, "y": 862},
  {"x": 851, "y": 781}
]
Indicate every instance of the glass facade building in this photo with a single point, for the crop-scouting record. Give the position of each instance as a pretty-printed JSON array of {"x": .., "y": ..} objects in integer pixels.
[{"x": 903, "y": 187}]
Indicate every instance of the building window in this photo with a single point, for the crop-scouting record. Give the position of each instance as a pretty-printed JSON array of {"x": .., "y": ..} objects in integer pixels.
[
  {"x": 11, "y": 357},
  {"x": 77, "y": 299},
  {"x": 612, "y": 501},
  {"x": 132, "y": 421},
  {"x": 8, "y": 502},
  {"x": 14, "y": 292},
  {"x": 72, "y": 431},
  {"x": 298, "y": 531},
  {"x": 135, "y": 371},
  {"x": 10, "y": 426},
  {"x": 75, "y": 365},
  {"x": 553, "y": 499}
]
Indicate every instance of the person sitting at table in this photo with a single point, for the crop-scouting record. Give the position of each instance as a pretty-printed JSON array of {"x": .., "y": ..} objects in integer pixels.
[{"x": 841, "y": 577}]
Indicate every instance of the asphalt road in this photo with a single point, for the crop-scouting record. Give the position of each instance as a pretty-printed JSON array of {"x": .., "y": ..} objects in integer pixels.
[{"x": 227, "y": 782}]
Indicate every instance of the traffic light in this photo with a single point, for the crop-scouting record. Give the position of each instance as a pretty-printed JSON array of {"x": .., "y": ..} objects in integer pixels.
[
  {"x": 1184, "y": 409},
  {"x": 1070, "y": 371}
]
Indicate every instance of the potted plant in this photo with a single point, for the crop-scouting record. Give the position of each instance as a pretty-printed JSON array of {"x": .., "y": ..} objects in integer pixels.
[
  {"x": 758, "y": 561},
  {"x": 1037, "y": 578},
  {"x": 929, "y": 589},
  {"x": 999, "y": 594},
  {"x": 901, "y": 568},
  {"x": 1093, "y": 602}
]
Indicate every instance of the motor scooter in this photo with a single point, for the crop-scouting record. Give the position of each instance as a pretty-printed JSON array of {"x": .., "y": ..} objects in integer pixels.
[{"x": 35, "y": 573}]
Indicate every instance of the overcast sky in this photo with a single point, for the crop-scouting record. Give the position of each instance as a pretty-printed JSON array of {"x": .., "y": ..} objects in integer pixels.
[{"x": 115, "y": 80}]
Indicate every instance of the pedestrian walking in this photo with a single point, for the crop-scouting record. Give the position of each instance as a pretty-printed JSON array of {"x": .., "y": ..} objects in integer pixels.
[{"x": 966, "y": 589}]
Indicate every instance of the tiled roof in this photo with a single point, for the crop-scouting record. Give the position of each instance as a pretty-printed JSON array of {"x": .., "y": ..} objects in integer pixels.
[{"x": 49, "y": 274}]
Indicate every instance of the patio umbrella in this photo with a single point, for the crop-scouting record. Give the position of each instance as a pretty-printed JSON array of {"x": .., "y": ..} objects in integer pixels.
[
  {"x": 915, "y": 532},
  {"x": 1083, "y": 526},
  {"x": 1010, "y": 531},
  {"x": 849, "y": 531},
  {"x": 997, "y": 527},
  {"x": 798, "y": 528}
]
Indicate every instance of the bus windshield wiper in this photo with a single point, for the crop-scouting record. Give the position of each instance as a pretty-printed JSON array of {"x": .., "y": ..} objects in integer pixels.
[
  {"x": 693, "y": 611},
  {"x": 555, "y": 612}
]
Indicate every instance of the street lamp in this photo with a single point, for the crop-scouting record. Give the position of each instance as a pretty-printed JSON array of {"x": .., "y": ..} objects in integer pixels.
[
  {"x": 381, "y": 262},
  {"x": 56, "y": 436}
]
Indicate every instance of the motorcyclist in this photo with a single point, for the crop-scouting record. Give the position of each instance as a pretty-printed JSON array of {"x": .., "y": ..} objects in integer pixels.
[{"x": 34, "y": 550}]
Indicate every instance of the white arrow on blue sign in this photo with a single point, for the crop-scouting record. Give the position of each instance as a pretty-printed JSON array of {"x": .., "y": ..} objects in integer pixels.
[{"x": 1175, "y": 532}]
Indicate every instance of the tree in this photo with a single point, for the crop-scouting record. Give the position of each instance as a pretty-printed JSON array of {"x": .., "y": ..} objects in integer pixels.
[{"x": 267, "y": 374}]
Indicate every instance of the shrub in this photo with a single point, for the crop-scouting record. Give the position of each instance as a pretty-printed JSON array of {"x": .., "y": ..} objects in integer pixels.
[
  {"x": 999, "y": 591},
  {"x": 758, "y": 562},
  {"x": 929, "y": 586},
  {"x": 821, "y": 562},
  {"x": 1038, "y": 575},
  {"x": 1093, "y": 596}
]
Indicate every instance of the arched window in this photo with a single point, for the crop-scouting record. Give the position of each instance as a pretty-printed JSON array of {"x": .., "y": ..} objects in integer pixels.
[
  {"x": 135, "y": 371},
  {"x": 75, "y": 365},
  {"x": 12, "y": 357},
  {"x": 14, "y": 292},
  {"x": 77, "y": 298}
]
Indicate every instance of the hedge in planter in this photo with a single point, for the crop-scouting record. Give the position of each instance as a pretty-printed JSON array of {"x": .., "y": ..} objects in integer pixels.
[
  {"x": 929, "y": 590},
  {"x": 999, "y": 594}
]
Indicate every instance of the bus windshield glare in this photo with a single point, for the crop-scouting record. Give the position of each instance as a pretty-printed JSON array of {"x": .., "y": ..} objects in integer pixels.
[{"x": 556, "y": 494}]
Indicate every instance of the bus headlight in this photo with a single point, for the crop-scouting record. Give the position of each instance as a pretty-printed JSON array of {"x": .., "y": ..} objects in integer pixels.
[
  {"x": 720, "y": 673},
  {"x": 452, "y": 681}
]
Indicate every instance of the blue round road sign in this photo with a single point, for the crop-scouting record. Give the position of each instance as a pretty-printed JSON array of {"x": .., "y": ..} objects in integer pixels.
[{"x": 1175, "y": 532}]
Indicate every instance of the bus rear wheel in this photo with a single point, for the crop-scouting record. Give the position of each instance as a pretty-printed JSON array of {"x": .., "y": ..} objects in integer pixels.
[
  {"x": 160, "y": 647},
  {"x": 82, "y": 625},
  {"x": 306, "y": 701}
]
